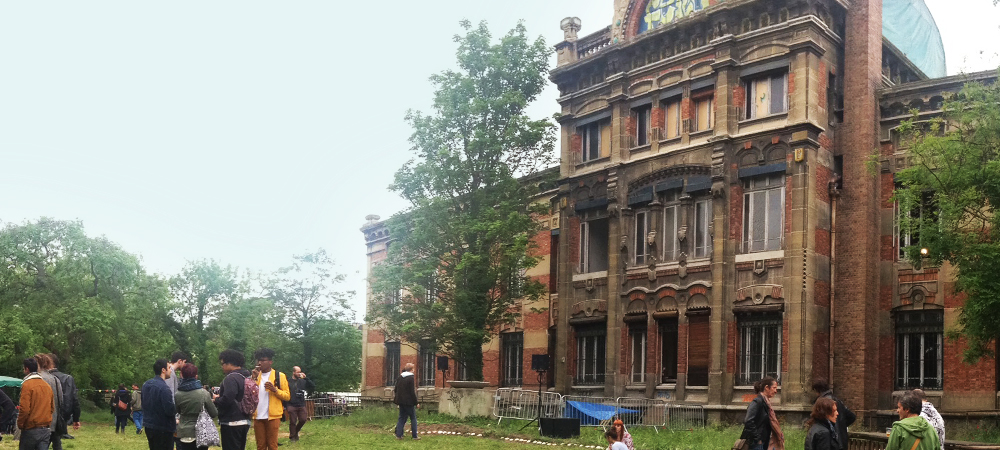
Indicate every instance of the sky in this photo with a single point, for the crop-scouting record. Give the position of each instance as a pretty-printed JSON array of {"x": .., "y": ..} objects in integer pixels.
[{"x": 251, "y": 131}]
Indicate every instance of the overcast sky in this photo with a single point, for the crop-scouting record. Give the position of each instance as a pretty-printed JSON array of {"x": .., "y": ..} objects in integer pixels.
[{"x": 250, "y": 131}]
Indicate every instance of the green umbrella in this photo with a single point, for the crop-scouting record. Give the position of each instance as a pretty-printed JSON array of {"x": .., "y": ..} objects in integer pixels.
[{"x": 9, "y": 382}]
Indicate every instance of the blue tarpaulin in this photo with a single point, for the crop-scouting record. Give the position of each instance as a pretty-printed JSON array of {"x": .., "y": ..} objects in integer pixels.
[
  {"x": 594, "y": 413},
  {"x": 909, "y": 25}
]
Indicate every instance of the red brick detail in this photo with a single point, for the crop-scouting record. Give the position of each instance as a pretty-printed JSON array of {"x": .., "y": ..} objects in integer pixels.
[
  {"x": 682, "y": 347},
  {"x": 536, "y": 321},
  {"x": 823, "y": 176},
  {"x": 374, "y": 371},
  {"x": 953, "y": 299},
  {"x": 694, "y": 290},
  {"x": 825, "y": 141},
  {"x": 824, "y": 80},
  {"x": 888, "y": 190},
  {"x": 886, "y": 348},
  {"x": 887, "y": 248},
  {"x": 732, "y": 348},
  {"x": 821, "y": 355},
  {"x": 821, "y": 293},
  {"x": 791, "y": 83},
  {"x": 576, "y": 144},
  {"x": 739, "y": 96},
  {"x": 630, "y": 126},
  {"x": 666, "y": 292},
  {"x": 978, "y": 377},
  {"x": 375, "y": 337},
  {"x": 885, "y": 298},
  {"x": 686, "y": 108},
  {"x": 656, "y": 117},
  {"x": 491, "y": 367},
  {"x": 541, "y": 243},
  {"x": 736, "y": 213},
  {"x": 822, "y": 242},
  {"x": 572, "y": 234}
]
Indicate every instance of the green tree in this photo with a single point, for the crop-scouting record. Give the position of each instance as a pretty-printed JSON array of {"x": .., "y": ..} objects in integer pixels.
[
  {"x": 305, "y": 292},
  {"x": 455, "y": 265},
  {"x": 201, "y": 291},
  {"x": 953, "y": 189}
]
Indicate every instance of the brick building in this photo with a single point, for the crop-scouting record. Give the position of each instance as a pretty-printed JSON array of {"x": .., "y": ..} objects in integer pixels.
[{"x": 719, "y": 219}]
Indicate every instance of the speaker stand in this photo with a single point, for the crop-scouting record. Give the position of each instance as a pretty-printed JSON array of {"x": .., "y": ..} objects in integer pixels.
[{"x": 538, "y": 415}]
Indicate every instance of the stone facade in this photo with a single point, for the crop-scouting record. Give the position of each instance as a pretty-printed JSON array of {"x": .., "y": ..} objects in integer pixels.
[{"x": 718, "y": 219}]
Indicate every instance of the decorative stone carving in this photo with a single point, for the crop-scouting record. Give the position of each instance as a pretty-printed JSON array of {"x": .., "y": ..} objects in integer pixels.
[
  {"x": 759, "y": 293},
  {"x": 682, "y": 265},
  {"x": 682, "y": 233},
  {"x": 759, "y": 268},
  {"x": 590, "y": 308}
]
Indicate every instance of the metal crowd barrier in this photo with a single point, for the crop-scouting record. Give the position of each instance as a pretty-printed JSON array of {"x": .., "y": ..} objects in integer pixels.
[
  {"x": 326, "y": 407},
  {"x": 511, "y": 403}
]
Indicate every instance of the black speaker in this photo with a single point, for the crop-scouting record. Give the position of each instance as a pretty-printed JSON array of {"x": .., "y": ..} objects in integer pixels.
[
  {"x": 562, "y": 428},
  {"x": 540, "y": 363},
  {"x": 442, "y": 363}
]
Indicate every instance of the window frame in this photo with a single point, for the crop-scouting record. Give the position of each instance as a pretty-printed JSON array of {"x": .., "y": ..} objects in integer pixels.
[
  {"x": 586, "y": 242},
  {"x": 671, "y": 202},
  {"x": 590, "y": 371},
  {"x": 705, "y": 96},
  {"x": 922, "y": 329},
  {"x": 392, "y": 365},
  {"x": 591, "y": 134},
  {"x": 641, "y": 252},
  {"x": 750, "y": 88},
  {"x": 668, "y": 330},
  {"x": 667, "y": 104},
  {"x": 637, "y": 357},
  {"x": 512, "y": 359},
  {"x": 747, "y": 324},
  {"x": 642, "y": 116},
  {"x": 702, "y": 224},
  {"x": 427, "y": 361},
  {"x": 750, "y": 212}
]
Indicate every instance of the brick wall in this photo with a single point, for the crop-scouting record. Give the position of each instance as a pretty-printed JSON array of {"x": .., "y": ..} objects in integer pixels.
[{"x": 967, "y": 378}]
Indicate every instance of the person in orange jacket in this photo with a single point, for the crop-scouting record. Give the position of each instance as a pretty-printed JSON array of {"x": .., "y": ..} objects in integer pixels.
[
  {"x": 273, "y": 390},
  {"x": 36, "y": 409}
]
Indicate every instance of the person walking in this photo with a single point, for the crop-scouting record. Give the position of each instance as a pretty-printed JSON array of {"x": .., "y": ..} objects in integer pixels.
[
  {"x": 233, "y": 423},
  {"x": 70, "y": 399},
  {"x": 845, "y": 417},
  {"x": 405, "y": 395},
  {"x": 191, "y": 400},
  {"x": 822, "y": 426},
  {"x": 58, "y": 424},
  {"x": 761, "y": 427},
  {"x": 158, "y": 408},
  {"x": 120, "y": 408},
  {"x": 930, "y": 414},
  {"x": 273, "y": 389},
  {"x": 911, "y": 432},
  {"x": 298, "y": 387},
  {"x": 35, "y": 415},
  {"x": 137, "y": 408}
]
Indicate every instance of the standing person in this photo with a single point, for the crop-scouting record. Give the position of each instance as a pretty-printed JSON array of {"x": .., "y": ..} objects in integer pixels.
[
  {"x": 58, "y": 424},
  {"x": 822, "y": 426},
  {"x": 623, "y": 435},
  {"x": 177, "y": 360},
  {"x": 36, "y": 409},
  {"x": 191, "y": 401},
  {"x": 233, "y": 423},
  {"x": 614, "y": 442},
  {"x": 298, "y": 387},
  {"x": 405, "y": 395},
  {"x": 273, "y": 389},
  {"x": 120, "y": 407},
  {"x": 845, "y": 417},
  {"x": 911, "y": 432},
  {"x": 158, "y": 408},
  {"x": 761, "y": 425},
  {"x": 70, "y": 400},
  {"x": 7, "y": 409},
  {"x": 930, "y": 413},
  {"x": 137, "y": 408}
]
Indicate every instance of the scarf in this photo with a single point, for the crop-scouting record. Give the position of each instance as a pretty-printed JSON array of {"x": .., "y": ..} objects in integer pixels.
[
  {"x": 833, "y": 430},
  {"x": 777, "y": 437},
  {"x": 189, "y": 384}
]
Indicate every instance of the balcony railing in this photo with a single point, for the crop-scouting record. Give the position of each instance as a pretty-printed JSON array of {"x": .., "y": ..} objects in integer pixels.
[{"x": 593, "y": 43}]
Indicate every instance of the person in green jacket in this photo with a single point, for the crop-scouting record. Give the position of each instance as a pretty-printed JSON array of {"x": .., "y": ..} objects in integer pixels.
[
  {"x": 191, "y": 400},
  {"x": 912, "y": 432}
]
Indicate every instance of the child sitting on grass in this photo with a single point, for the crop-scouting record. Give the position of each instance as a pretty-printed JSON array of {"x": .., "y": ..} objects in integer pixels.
[{"x": 613, "y": 441}]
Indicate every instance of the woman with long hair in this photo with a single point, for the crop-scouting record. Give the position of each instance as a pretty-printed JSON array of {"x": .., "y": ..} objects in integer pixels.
[
  {"x": 761, "y": 427},
  {"x": 623, "y": 435},
  {"x": 822, "y": 426}
]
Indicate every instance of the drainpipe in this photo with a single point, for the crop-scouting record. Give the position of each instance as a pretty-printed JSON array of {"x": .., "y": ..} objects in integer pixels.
[{"x": 834, "y": 195}]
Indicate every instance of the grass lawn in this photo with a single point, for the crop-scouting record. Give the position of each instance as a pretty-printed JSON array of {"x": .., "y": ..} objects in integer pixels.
[{"x": 372, "y": 428}]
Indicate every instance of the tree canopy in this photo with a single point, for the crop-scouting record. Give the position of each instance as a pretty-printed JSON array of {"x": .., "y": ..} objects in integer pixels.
[
  {"x": 456, "y": 262},
  {"x": 952, "y": 191}
]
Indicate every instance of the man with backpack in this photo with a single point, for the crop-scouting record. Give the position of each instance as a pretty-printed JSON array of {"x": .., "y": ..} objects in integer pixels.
[
  {"x": 273, "y": 390},
  {"x": 236, "y": 400}
]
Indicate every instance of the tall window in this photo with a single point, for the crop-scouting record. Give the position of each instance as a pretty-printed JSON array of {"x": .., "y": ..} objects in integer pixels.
[
  {"x": 672, "y": 118},
  {"x": 760, "y": 347},
  {"x": 919, "y": 339},
  {"x": 704, "y": 112},
  {"x": 641, "y": 116},
  {"x": 637, "y": 338},
  {"x": 512, "y": 357},
  {"x": 702, "y": 222},
  {"x": 763, "y": 211},
  {"x": 461, "y": 371},
  {"x": 590, "y": 355},
  {"x": 594, "y": 246},
  {"x": 668, "y": 350},
  {"x": 391, "y": 363},
  {"x": 910, "y": 222},
  {"x": 426, "y": 362},
  {"x": 430, "y": 290},
  {"x": 517, "y": 281},
  {"x": 671, "y": 222},
  {"x": 766, "y": 95},
  {"x": 596, "y": 140},
  {"x": 699, "y": 350},
  {"x": 641, "y": 229}
]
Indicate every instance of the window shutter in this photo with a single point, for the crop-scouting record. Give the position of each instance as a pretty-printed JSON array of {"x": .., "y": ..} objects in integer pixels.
[{"x": 698, "y": 350}]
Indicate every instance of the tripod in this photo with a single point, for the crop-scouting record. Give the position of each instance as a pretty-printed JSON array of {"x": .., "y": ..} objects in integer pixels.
[{"x": 538, "y": 415}]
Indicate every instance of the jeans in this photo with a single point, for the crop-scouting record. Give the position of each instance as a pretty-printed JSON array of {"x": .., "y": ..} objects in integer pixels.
[
  {"x": 234, "y": 437},
  {"x": 159, "y": 440},
  {"x": 35, "y": 439},
  {"x": 296, "y": 418},
  {"x": 407, "y": 411},
  {"x": 266, "y": 433},
  {"x": 137, "y": 418}
]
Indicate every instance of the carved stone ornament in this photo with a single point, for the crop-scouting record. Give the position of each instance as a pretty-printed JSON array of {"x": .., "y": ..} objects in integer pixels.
[
  {"x": 623, "y": 247},
  {"x": 759, "y": 268},
  {"x": 682, "y": 262},
  {"x": 651, "y": 238},
  {"x": 682, "y": 233},
  {"x": 590, "y": 285}
]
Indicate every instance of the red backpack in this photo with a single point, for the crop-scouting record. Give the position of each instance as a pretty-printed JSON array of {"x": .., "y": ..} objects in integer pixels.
[{"x": 248, "y": 404}]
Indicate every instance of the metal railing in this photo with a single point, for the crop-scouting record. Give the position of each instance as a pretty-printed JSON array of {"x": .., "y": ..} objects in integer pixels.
[
  {"x": 609, "y": 404},
  {"x": 682, "y": 417},
  {"x": 512, "y": 403},
  {"x": 650, "y": 412}
]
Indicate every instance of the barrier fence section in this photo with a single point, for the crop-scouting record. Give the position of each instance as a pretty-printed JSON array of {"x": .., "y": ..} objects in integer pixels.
[
  {"x": 510, "y": 403},
  {"x": 513, "y": 403}
]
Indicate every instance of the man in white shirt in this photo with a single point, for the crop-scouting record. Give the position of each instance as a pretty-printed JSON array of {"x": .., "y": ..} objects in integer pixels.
[{"x": 273, "y": 390}]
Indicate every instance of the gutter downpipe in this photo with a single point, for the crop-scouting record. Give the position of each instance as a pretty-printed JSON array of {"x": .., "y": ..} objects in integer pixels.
[{"x": 834, "y": 195}]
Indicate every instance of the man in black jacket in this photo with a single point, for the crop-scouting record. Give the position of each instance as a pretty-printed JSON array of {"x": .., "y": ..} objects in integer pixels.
[
  {"x": 233, "y": 423},
  {"x": 405, "y": 395},
  {"x": 298, "y": 387},
  {"x": 70, "y": 402},
  {"x": 845, "y": 416},
  {"x": 158, "y": 409}
]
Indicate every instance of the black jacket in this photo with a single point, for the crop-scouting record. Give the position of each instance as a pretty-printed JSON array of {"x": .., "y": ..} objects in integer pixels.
[
  {"x": 757, "y": 425},
  {"x": 230, "y": 395},
  {"x": 70, "y": 402},
  {"x": 820, "y": 438},
  {"x": 7, "y": 409},
  {"x": 158, "y": 410},
  {"x": 845, "y": 417},
  {"x": 121, "y": 396},
  {"x": 297, "y": 388},
  {"x": 405, "y": 392}
]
